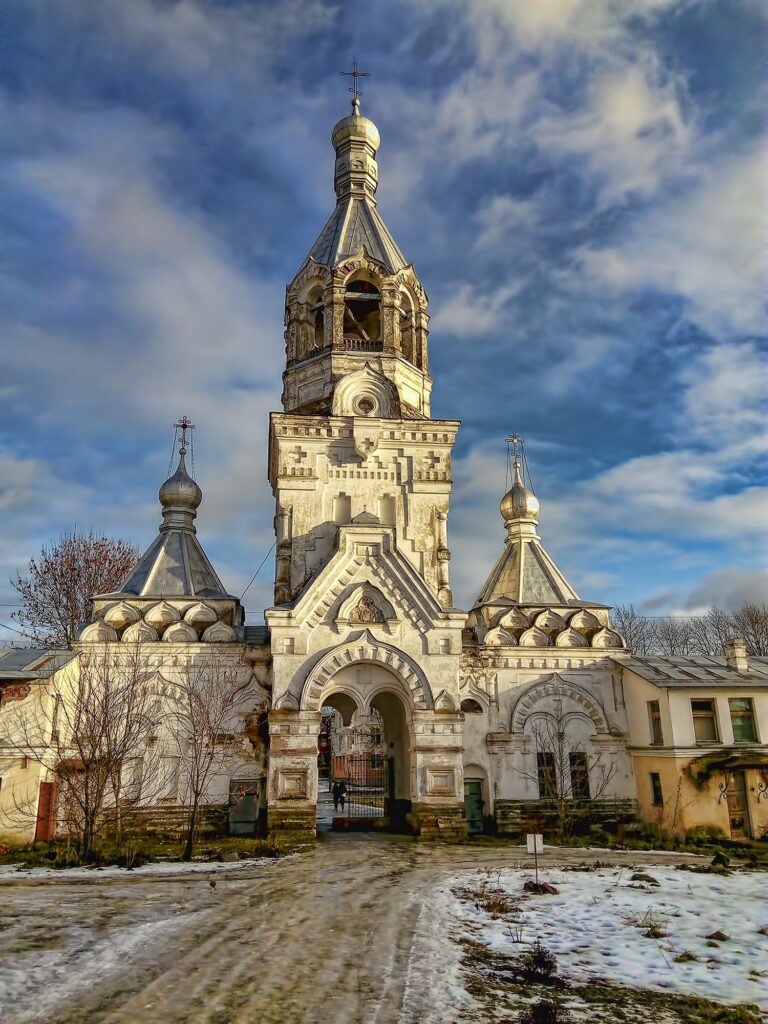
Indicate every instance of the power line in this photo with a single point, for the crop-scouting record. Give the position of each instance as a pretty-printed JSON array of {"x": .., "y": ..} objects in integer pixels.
[{"x": 259, "y": 569}]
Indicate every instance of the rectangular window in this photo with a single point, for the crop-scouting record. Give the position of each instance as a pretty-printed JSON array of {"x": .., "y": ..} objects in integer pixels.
[
  {"x": 743, "y": 720},
  {"x": 546, "y": 766},
  {"x": 654, "y": 719},
  {"x": 25, "y": 762},
  {"x": 704, "y": 721},
  {"x": 579, "y": 775},
  {"x": 657, "y": 797}
]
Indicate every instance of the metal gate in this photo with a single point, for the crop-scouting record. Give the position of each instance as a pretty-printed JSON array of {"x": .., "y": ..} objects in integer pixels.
[{"x": 369, "y": 785}]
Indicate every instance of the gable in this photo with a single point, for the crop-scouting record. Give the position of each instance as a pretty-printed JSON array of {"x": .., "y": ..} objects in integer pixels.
[{"x": 368, "y": 558}]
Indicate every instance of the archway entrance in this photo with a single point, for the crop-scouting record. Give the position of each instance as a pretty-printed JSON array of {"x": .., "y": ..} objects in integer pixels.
[{"x": 364, "y": 765}]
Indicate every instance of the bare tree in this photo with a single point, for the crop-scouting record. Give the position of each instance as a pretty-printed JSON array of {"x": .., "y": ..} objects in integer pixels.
[
  {"x": 751, "y": 624},
  {"x": 567, "y": 775},
  {"x": 209, "y": 723},
  {"x": 710, "y": 631},
  {"x": 675, "y": 636},
  {"x": 637, "y": 630},
  {"x": 54, "y": 594},
  {"x": 690, "y": 635},
  {"x": 84, "y": 732}
]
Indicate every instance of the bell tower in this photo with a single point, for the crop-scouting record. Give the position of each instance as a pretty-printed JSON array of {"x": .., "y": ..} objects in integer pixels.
[
  {"x": 356, "y": 435},
  {"x": 363, "y": 618},
  {"x": 355, "y": 300}
]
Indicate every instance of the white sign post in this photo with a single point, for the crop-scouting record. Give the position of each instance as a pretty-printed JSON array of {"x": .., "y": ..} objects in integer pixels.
[{"x": 535, "y": 844}]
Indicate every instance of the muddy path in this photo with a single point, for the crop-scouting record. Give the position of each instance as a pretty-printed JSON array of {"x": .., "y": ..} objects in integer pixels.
[{"x": 322, "y": 937}]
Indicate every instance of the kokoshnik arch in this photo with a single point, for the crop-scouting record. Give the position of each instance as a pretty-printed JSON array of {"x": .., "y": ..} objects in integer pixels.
[{"x": 363, "y": 617}]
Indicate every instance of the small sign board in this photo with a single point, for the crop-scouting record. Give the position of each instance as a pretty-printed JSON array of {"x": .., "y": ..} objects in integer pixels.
[{"x": 535, "y": 842}]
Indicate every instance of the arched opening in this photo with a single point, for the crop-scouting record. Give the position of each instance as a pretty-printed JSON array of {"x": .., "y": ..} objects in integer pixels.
[
  {"x": 364, "y": 767},
  {"x": 407, "y": 327},
  {"x": 316, "y": 314},
  {"x": 470, "y": 706},
  {"x": 362, "y": 320}
]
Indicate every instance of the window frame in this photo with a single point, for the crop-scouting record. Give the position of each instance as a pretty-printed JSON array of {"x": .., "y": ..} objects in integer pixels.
[
  {"x": 654, "y": 723},
  {"x": 700, "y": 715},
  {"x": 743, "y": 715},
  {"x": 579, "y": 758},
  {"x": 545, "y": 766},
  {"x": 657, "y": 790}
]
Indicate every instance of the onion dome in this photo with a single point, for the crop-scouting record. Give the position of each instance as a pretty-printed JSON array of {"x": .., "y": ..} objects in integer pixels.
[
  {"x": 180, "y": 491},
  {"x": 519, "y": 504}
]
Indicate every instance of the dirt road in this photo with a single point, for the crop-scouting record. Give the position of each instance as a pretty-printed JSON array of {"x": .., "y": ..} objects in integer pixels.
[{"x": 323, "y": 937}]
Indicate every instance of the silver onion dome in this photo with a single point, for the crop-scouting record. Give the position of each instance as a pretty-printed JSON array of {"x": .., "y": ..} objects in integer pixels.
[{"x": 180, "y": 490}]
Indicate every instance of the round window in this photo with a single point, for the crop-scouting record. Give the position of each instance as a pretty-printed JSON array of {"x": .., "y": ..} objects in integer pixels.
[{"x": 365, "y": 406}]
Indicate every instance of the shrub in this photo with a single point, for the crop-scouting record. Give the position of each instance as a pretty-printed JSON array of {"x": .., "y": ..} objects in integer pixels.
[
  {"x": 545, "y": 1012},
  {"x": 539, "y": 962}
]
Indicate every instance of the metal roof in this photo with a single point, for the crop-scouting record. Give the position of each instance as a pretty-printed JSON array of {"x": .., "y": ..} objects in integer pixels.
[
  {"x": 31, "y": 662},
  {"x": 526, "y": 575},
  {"x": 356, "y": 226},
  {"x": 695, "y": 671}
]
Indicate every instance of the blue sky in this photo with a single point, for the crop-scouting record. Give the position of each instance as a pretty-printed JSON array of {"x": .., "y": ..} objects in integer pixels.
[{"x": 578, "y": 184}]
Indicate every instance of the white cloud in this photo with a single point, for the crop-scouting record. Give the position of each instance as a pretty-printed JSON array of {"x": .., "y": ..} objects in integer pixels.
[
  {"x": 724, "y": 394},
  {"x": 469, "y": 312},
  {"x": 706, "y": 247}
]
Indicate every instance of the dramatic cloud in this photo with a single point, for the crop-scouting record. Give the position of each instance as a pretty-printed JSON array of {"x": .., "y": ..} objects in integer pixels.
[{"x": 578, "y": 183}]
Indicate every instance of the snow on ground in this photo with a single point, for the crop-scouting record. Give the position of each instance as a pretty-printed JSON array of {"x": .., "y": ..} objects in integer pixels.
[
  {"x": 13, "y": 872},
  {"x": 592, "y": 926}
]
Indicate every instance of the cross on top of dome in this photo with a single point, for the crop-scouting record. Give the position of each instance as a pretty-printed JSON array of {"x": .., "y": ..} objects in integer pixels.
[{"x": 355, "y": 89}]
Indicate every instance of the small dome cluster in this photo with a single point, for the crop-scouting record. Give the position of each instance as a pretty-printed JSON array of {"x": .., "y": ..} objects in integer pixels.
[
  {"x": 193, "y": 622},
  {"x": 545, "y": 627}
]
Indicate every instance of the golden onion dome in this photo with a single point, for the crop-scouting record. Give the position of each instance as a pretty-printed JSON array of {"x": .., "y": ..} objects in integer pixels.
[
  {"x": 355, "y": 127},
  {"x": 519, "y": 504}
]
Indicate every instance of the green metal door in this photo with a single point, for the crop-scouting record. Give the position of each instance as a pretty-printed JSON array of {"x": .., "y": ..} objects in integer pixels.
[
  {"x": 473, "y": 805},
  {"x": 243, "y": 806}
]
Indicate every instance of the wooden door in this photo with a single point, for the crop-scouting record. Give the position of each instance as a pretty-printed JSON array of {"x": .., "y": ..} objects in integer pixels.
[
  {"x": 738, "y": 810},
  {"x": 45, "y": 828}
]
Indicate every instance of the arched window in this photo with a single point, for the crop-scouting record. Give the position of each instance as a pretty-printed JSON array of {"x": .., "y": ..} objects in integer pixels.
[
  {"x": 407, "y": 328},
  {"x": 471, "y": 707},
  {"x": 362, "y": 327},
  {"x": 316, "y": 318}
]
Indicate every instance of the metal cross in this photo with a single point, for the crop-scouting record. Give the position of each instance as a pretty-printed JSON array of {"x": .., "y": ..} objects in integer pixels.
[
  {"x": 184, "y": 425},
  {"x": 354, "y": 74},
  {"x": 517, "y": 442}
]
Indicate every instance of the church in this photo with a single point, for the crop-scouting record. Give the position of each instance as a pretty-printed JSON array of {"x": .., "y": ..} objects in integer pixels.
[{"x": 505, "y": 718}]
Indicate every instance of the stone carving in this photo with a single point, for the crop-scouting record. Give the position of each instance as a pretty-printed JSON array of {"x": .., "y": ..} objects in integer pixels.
[
  {"x": 499, "y": 637},
  {"x": 366, "y": 611},
  {"x": 571, "y": 638},
  {"x": 219, "y": 633},
  {"x": 180, "y": 633},
  {"x": 444, "y": 702},
  {"x": 140, "y": 632},
  {"x": 556, "y": 686},
  {"x": 200, "y": 614},
  {"x": 121, "y": 614},
  {"x": 608, "y": 638},
  {"x": 100, "y": 632},
  {"x": 364, "y": 647},
  {"x": 161, "y": 615}
]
